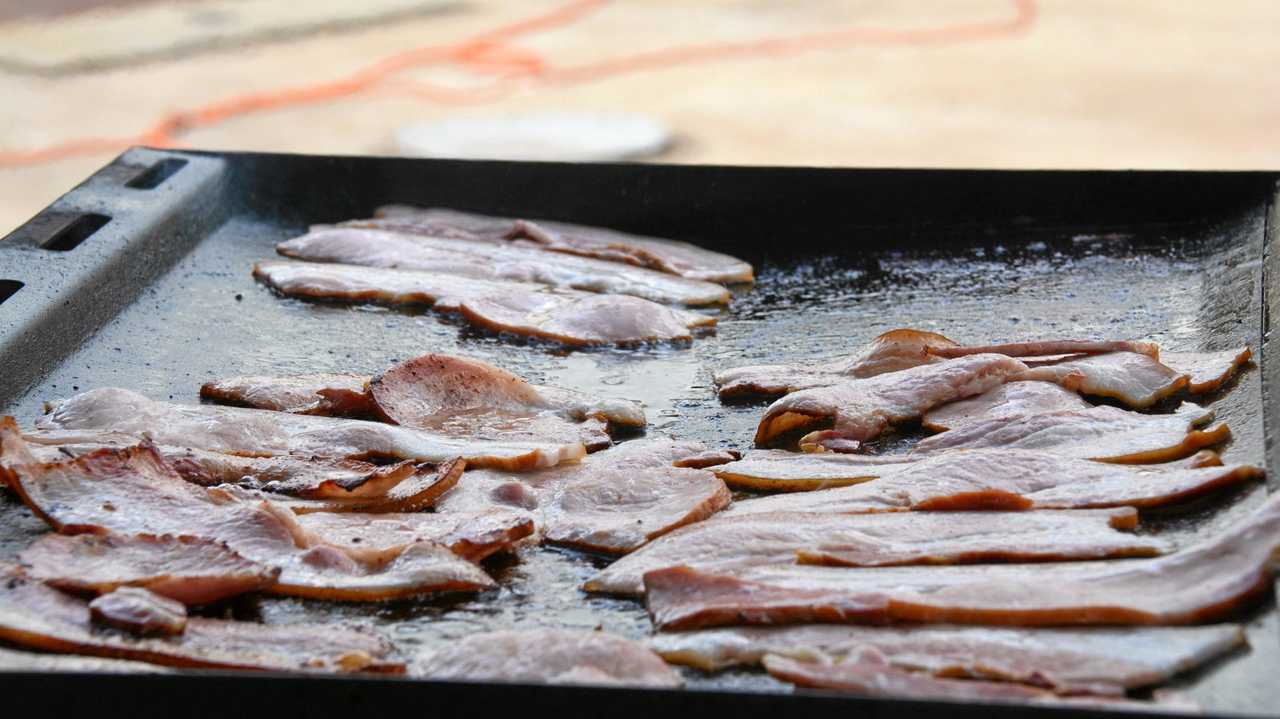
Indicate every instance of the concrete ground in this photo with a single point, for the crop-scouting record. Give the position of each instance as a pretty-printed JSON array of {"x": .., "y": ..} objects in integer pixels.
[{"x": 965, "y": 83}]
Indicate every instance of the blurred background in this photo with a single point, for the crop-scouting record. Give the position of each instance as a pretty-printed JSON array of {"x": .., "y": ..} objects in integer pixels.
[{"x": 960, "y": 83}]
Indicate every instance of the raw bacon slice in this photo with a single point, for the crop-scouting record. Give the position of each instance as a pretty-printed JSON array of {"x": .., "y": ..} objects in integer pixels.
[
  {"x": 139, "y": 611},
  {"x": 722, "y": 544},
  {"x": 552, "y": 656},
  {"x": 1014, "y": 399},
  {"x": 867, "y": 672},
  {"x": 1208, "y": 370},
  {"x": 671, "y": 256},
  {"x": 890, "y": 352},
  {"x": 486, "y": 261},
  {"x": 133, "y": 491},
  {"x": 1095, "y": 660},
  {"x": 255, "y": 432},
  {"x": 565, "y": 316},
  {"x": 335, "y": 395},
  {"x": 1195, "y": 585},
  {"x": 37, "y": 616},
  {"x": 187, "y": 569},
  {"x": 613, "y": 501},
  {"x": 776, "y": 470},
  {"x": 985, "y": 479},
  {"x": 471, "y": 535},
  {"x": 1049, "y": 347},
  {"x": 1135, "y": 379},
  {"x": 860, "y": 409},
  {"x": 1103, "y": 433}
]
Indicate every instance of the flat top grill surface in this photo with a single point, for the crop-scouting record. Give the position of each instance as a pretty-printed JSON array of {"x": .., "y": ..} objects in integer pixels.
[{"x": 1187, "y": 283}]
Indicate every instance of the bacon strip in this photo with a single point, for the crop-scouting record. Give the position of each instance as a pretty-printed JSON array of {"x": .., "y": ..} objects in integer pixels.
[
  {"x": 133, "y": 490},
  {"x": 860, "y": 409},
  {"x": 568, "y": 317},
  {"x": 1196, "y": 585},
  {"x": 493, "y": 262},
  {"x": 613, "y": 501},
  {"x": 1208, "y": 371},
  {"x": 1094, "y": 660},
  {"x": 1014, "y": 399},
  {"x": 980, "y": 479},
  {"x": 722, "y": 544},
  {"x": 188, "y": 569},
  {"x": 671, "y": 256},
  {"x": 1102, "y": 433},
  {"x": 254, "y": 432},
  {"x": 552, "y": 656},
  {"x": 39, "y": 617}
]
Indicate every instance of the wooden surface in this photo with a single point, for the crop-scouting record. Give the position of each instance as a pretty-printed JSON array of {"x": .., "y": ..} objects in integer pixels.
[{"x": 1084, "y": 83}]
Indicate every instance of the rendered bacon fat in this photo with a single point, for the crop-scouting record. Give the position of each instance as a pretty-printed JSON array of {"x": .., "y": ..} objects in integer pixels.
[
  {"x": 489, "y": 261},
  {"x": 553, "y": 656},
  {"x": 982, "y": 480},
  {"x": 565, "y": 316},
  {"x": 1198, "y": 584},
  {"x": 37, "y": 616},
  {"x": 613, "y": 501},
  {"x": 671, "y": 256},
  {"x": 255, "y": 432},
  {"x": 184, "y": 568},
  {"x": 1102, "y": 433},
  {"x": 722, "y": 544},
  {"x": 860, "y": 409},
  {"x": 1096, "y": 660}
]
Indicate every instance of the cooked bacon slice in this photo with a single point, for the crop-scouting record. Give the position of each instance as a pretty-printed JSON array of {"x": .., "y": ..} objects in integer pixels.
[
  {"x": 327, "y": 393},
  {"x": 860, "y": 409},
  {"x": 671, "y": 256},
  {"x": 892, "y": 351},
  {"x": 433, "y": 387},
  {"x": 184, "y": 568},
  {"x": 14, "y": 661},
  {"x": 133, "y": 491},
  {"x": 867, "y": 672},
  {"x": 1195, "y": 585},
  {"x": 722, "y": 544},
  {"x": 528, "y": 310},
  {"x": 983, "y": 479},
  {"x": 37, "y": 616},
  {"x": 1208, "y": 370},
  {"x": 613, "y": 501},
  {"x": 420, "y": 491},
  {"x": 471, "y": 535},
  {"x": 255, "y": 432},
  {"x": 1135, "y": 379},
  {"x": 1014, "y": 399},
  {"x": 1048, "y": 348},
  {"x": 487, "y": 261},
  {"x": 139, "y": 611},
  {"x": 1103, "y": 433},
  {"x": 552, "y": 656},
  {"x": 1095, "y": 660}
]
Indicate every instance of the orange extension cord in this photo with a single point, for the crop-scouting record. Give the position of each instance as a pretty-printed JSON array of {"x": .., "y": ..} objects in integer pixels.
[{"x": 491, "y": 53}]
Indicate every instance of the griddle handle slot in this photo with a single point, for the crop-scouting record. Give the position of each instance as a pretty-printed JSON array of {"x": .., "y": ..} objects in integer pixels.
[
  {"x": 153, "y": 176},
  {"x": 9, "y": 288}
]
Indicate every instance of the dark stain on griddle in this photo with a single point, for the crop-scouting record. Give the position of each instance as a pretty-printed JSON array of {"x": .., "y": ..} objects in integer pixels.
[{"x": 1187, "y": 287}]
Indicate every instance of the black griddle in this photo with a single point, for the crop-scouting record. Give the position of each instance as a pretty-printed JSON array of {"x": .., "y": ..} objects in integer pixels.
[{"x": 139, "y": 278}]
